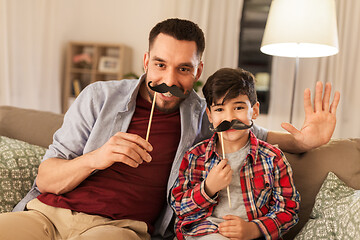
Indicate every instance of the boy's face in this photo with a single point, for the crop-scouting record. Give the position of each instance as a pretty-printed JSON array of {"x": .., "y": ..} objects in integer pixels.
[
  {"x": 173, "y": 62},
  {"x": 237, "y": 108}
]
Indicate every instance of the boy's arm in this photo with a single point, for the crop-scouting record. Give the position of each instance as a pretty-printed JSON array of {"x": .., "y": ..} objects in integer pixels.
[
  {"x": 318, "y": 127},
  {"x": 188, "y": 195},
  {"x": 285, "y": 202}
]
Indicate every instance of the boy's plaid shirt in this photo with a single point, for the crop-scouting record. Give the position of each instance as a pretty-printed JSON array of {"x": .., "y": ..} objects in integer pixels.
[{"x": 270, "y": 197}]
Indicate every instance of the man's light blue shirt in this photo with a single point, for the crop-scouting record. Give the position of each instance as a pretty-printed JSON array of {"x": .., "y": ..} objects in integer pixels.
[{"x": 105, "y": 108}]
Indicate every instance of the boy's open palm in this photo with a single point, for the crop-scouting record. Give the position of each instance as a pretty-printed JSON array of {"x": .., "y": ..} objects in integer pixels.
[{"x": 218, "y": 178}]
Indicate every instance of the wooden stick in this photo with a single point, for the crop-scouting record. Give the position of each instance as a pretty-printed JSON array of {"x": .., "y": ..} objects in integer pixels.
[
  {"x": 151, "y": 115},
  {"x": 223, "y": 153}
]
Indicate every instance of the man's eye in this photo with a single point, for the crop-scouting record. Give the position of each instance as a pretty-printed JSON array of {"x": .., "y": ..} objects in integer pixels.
[
  {"x": 184, "y": 69},
  {"x": 160, "y": 65}
]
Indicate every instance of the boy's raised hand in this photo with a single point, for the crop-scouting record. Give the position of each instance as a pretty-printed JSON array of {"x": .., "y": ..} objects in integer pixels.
[
  {"x": 236, "y": 228},
  {"x": 218, "y": 178}
]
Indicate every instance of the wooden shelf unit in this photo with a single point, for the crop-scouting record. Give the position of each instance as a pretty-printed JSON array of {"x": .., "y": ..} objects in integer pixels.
[{"x": 88, "y": 62}]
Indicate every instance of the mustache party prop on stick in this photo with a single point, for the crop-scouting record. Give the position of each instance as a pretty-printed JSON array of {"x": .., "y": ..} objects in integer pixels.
[
  {"x": 234, "y": 124},
  {"x": 174, "y": 90},
  {"x": 163, "y": 88},
  {"x": 223, "y": 153},
  {"x": 150, "y": 119},
  {"x": 224, "y": 126}
]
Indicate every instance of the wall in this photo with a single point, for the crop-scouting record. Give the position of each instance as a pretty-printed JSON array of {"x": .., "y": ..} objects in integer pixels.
[
  {"x": 34, "y": 35},
  {"x": 112, "y": 21}
]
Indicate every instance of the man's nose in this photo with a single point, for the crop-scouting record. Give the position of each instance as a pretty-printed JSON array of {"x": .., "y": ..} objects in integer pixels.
[{"x": 170, "y": 78}]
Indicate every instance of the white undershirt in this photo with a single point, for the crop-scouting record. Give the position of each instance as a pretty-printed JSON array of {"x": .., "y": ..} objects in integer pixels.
[{"x": 236, "y": 161}]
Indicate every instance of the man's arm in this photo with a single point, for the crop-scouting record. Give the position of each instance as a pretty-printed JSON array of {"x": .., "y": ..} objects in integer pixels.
[
  {"x": 59, "y": 176},
  {"x": 318, "y": 127}
]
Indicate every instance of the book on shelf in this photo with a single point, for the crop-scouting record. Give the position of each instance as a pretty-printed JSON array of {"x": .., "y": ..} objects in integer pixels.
[{"x": 77, "y": 87}]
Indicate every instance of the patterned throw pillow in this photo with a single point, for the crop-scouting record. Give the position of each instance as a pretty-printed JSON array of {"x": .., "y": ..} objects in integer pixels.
[
  {"x": 19, "y": 163},
  {"x": 336, "y": 213}
]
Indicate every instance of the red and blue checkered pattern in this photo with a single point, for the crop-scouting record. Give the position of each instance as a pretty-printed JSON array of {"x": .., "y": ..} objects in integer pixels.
[{"x": 270, "y": 197}]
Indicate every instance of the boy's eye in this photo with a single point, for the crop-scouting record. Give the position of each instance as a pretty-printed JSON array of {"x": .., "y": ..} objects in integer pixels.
[
  {"x": 239, "y": 108},
  {"x": 218, "y": 110}
]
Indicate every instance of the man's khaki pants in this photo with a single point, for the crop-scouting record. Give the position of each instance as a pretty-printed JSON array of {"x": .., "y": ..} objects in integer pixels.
[{"x": 46, "y": 222}]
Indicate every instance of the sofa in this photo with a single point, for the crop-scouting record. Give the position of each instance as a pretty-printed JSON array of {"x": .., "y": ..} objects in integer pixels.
[{"x": 310, "y": 169}]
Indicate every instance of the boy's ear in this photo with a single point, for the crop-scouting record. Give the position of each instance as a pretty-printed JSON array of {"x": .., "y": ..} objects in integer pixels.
[
  {"x": 256, "y": 110},
  {"x": 208, "y": 113}
]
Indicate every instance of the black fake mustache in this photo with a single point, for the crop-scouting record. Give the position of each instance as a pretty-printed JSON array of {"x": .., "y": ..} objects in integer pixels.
[
  {"x": 234, "y": 124},
  {"x": 174, "y": 90}
]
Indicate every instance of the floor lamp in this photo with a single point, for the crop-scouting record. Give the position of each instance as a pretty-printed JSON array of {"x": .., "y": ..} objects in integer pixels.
[{"x": 300, "y": 29}]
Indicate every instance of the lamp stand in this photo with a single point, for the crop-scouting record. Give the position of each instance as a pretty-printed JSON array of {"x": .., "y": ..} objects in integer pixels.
[{"x": 294, "y": 85}]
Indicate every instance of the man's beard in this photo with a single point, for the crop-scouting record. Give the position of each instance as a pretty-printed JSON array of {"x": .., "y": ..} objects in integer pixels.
[
  {"x": 164, "y": 109},
  {"x": 173, "y": 90}
]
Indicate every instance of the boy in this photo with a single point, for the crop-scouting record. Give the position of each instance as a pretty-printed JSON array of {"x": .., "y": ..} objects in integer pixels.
[{"x": 264, "y": 199}]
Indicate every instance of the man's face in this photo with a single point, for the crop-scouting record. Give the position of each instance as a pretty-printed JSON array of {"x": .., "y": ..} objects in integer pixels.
[
  {"x": 173, "y": 62},
  {"x": 237, "y": 108}
]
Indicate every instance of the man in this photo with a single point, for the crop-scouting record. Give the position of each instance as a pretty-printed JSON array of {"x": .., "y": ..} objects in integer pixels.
[{"x": 116, "y": 185}]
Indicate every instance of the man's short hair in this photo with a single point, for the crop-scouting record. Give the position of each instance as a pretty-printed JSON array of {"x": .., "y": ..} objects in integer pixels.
[
  {"x": 229, "y": 83},
  {"x": 180, "y": 29}
]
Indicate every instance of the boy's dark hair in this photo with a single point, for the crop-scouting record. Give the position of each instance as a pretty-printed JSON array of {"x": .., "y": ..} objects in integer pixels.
[
  {"x": 230, "y": 83},
  {"x": 180, "y": 29}
]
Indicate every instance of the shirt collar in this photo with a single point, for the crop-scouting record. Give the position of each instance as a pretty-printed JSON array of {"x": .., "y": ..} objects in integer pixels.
[
  {"x": 252, "y": 155},
  {"x": 211, "y": 147},
  {"x": 254, "y": 145}
]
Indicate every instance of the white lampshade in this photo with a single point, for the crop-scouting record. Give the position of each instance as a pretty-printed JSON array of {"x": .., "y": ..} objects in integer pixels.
[{"x": 301, "y": 28}]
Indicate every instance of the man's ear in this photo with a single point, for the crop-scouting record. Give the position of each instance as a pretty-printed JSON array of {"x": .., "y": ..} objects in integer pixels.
[
  {"x": 256, "y": 110},
  {"x": 146, "y": 61},
  {"x": 208, "y": 114},
  {"x": 199, "y": 71}
]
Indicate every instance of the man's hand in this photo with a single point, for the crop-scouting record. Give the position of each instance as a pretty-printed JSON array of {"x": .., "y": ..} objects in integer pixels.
[
  {"x": 320, "y": 121},
  {"x": 218, "y": 178},
  {"x": 127, "y": 148},
  {"x": 237, "y": 228},
  {"x": 318, "y": 127},
  {"x": 59, "y": 176}
]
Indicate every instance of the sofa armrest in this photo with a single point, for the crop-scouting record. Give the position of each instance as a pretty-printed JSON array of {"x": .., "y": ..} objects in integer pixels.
[{"x": 32, "y": 126}]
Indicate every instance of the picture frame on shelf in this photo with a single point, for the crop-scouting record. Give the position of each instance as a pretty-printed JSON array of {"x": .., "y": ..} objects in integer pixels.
[{"x": 109, "y": 64}]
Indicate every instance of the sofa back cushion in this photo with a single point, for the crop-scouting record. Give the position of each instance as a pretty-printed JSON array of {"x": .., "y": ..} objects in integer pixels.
[
  {"x": 341, "y": 156},
  {"x": 32, "y": 126},
  {"x": 336, "y": 213}
]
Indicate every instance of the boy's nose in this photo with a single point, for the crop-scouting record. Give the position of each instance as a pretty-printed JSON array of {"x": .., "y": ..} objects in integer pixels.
[{"x": 229, "y": 116}]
